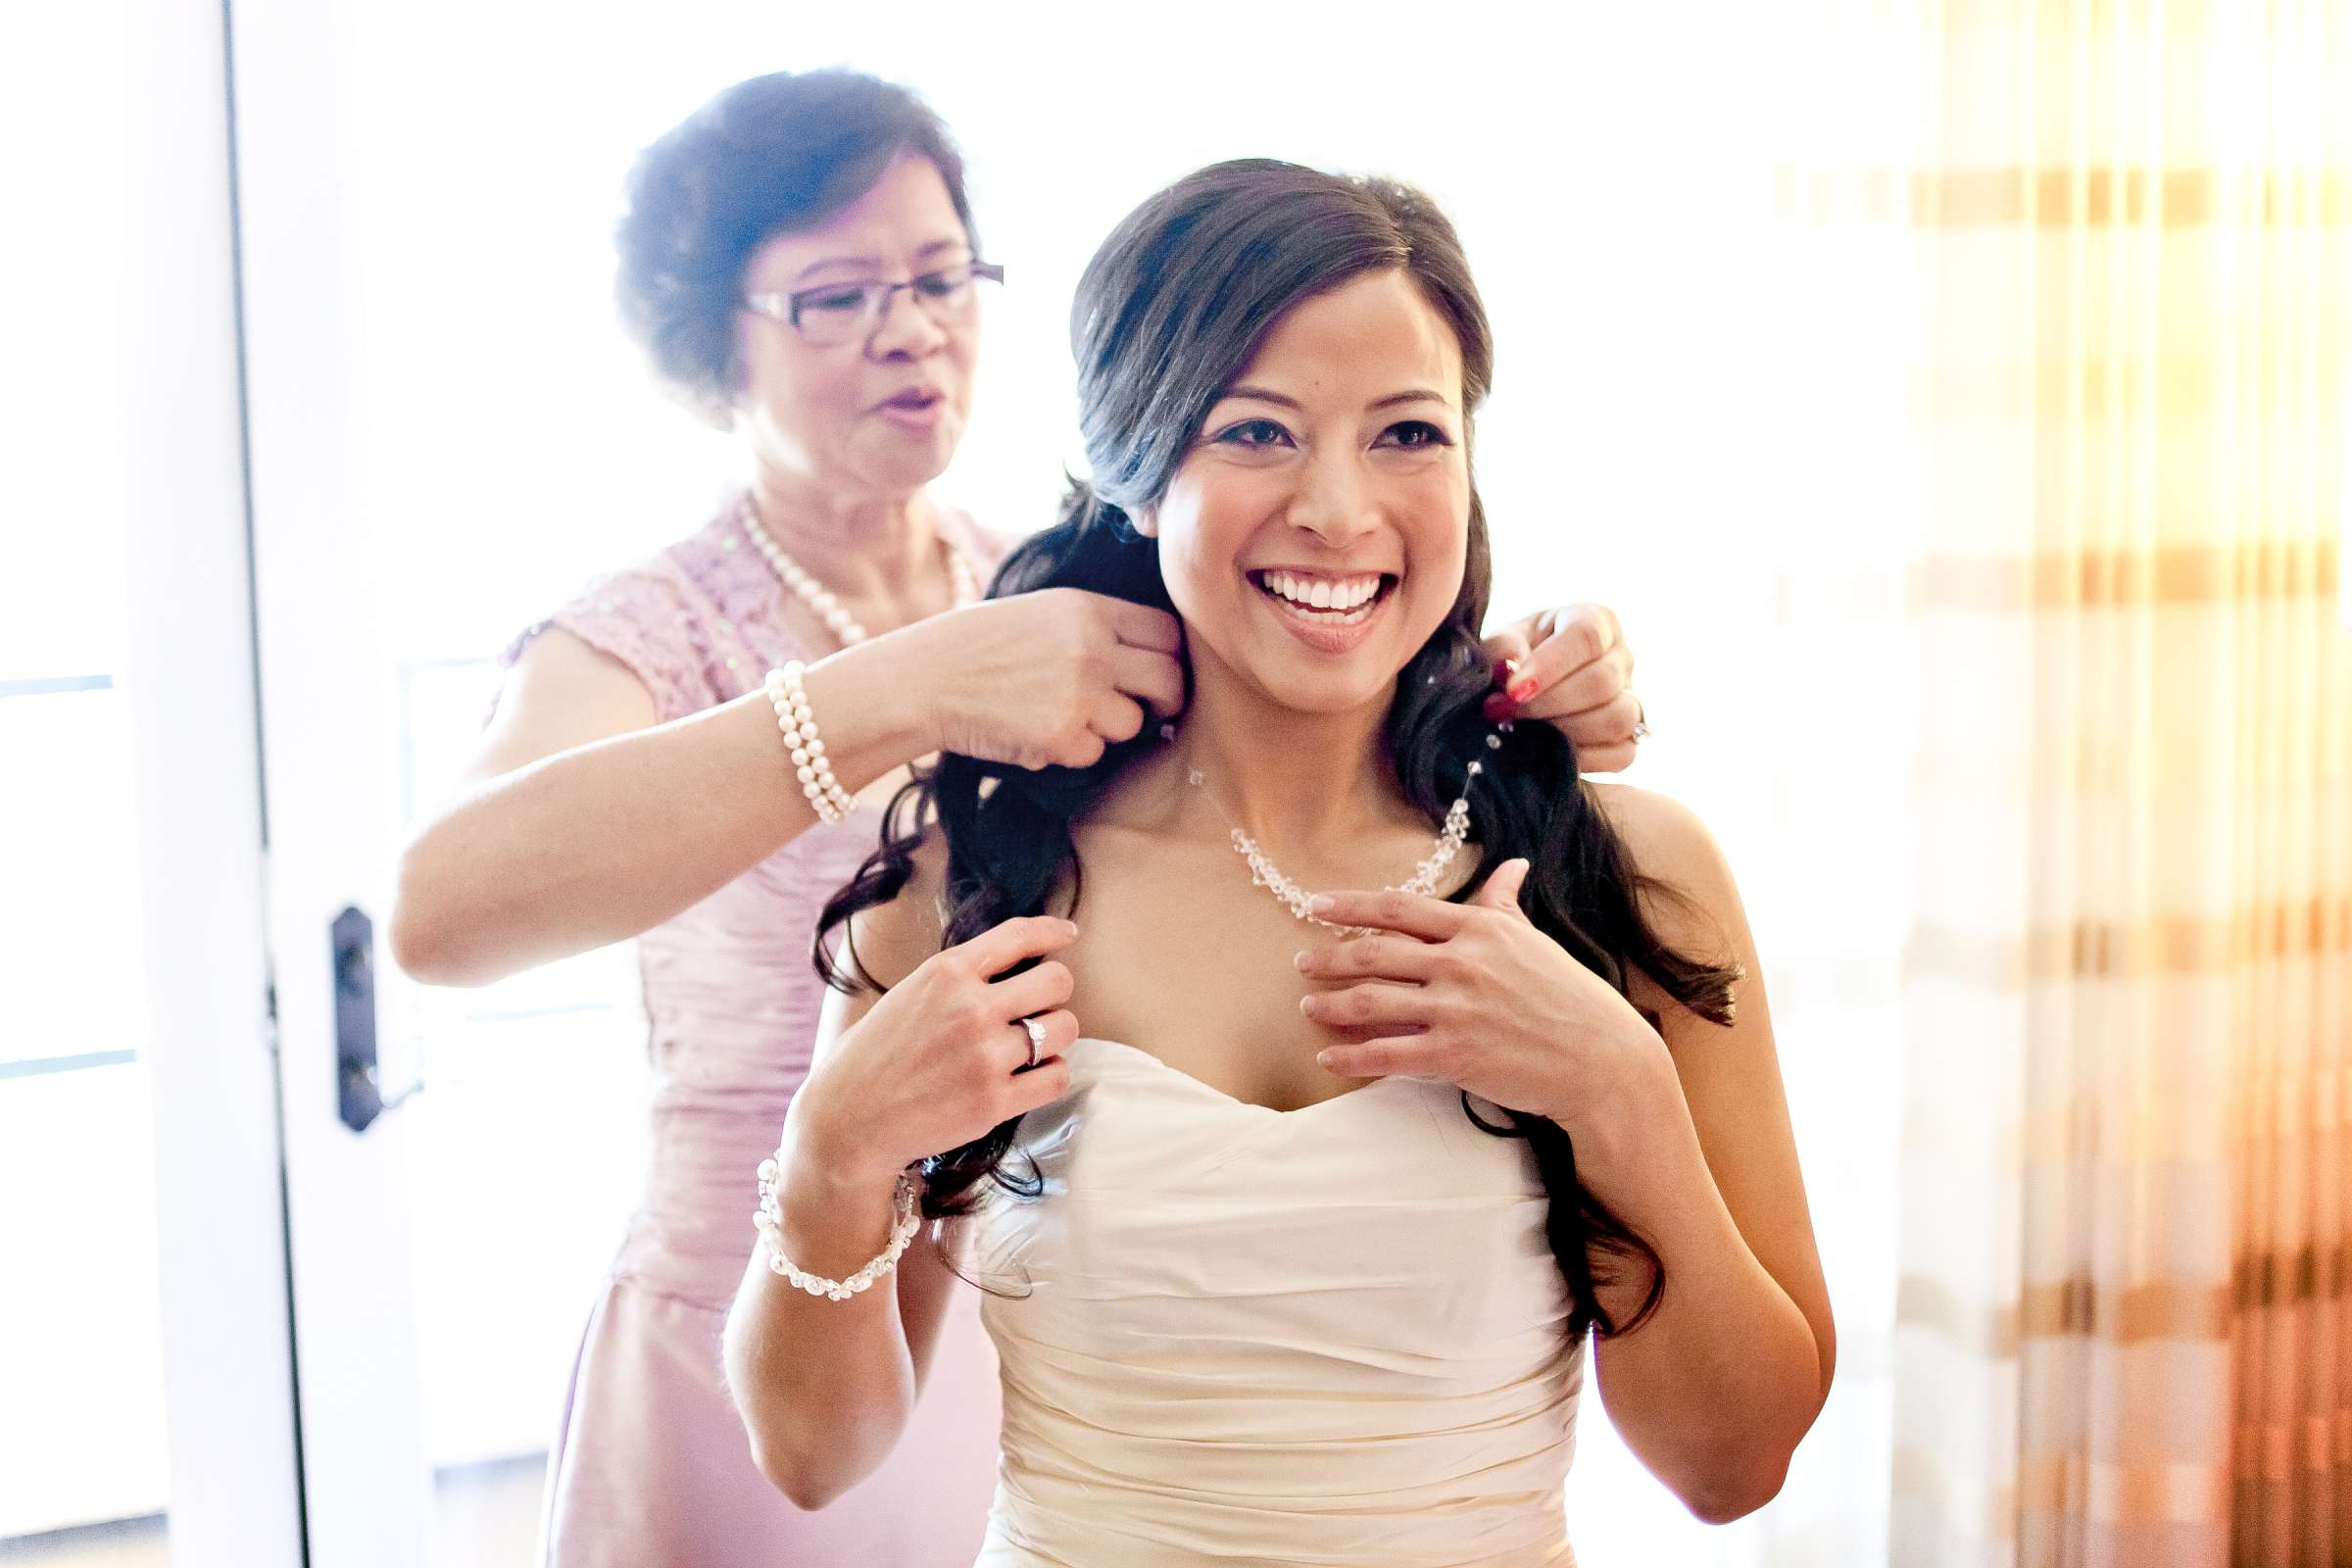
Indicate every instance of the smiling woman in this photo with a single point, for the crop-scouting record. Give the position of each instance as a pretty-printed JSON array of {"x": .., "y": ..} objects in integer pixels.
[
  {"x": 1372, "y": 488},
  {"x": 693, "y": 750},
  {"x": 1232, "y": 1330}
]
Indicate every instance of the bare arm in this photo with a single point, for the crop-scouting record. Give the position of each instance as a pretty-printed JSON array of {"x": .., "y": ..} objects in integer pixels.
[
  {"x": 1715, "y": 1390},
  {"x": 1680, "y": 1129},
  {"x": 824, "y": 1388},
  {"x": 580, "y": 821}
]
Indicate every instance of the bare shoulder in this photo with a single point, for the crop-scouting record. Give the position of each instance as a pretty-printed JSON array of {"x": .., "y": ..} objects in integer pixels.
[
  {"x": 1692, "y": 898},
  {"x": 891, "y": 940}
]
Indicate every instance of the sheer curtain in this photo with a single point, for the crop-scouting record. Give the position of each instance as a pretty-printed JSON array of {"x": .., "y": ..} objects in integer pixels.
[{"x": 2122, "y": 1327}]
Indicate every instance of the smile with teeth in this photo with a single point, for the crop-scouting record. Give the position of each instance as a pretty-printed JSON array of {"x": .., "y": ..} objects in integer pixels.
[{"x": 1326, "y": 600}]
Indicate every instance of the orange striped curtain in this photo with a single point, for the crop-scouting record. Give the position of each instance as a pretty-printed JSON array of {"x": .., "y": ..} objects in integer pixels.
[{"x": 2124, "y": 1318}]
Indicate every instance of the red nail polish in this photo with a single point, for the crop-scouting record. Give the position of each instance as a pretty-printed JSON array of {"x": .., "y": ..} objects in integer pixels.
[
  {"x": 1498, "y": 707},
  {"x": 1521, "y": 690}
]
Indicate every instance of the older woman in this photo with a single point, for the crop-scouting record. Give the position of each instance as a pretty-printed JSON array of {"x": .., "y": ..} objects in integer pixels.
[{"x": 800, "y": 264}]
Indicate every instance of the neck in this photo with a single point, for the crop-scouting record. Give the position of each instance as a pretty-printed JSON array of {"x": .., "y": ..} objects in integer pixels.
[
  {"x": 860, "y": 547},
  {"x": 1291, "y": 781}
]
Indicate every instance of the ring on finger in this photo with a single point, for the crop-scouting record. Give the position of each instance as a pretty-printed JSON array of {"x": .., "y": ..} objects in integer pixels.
[{"x": 1037, "y": 1040}]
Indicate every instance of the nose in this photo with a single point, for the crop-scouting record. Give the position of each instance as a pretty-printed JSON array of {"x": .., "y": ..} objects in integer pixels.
[
  {"x": 906, "y": 329},
  {"x": 1332, "y": 501}
]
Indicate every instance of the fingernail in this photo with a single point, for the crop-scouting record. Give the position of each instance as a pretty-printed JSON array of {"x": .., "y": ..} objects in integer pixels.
[
  {"x": 1307, "y": 1003},
  {"x": 1322, "y": 1058},
  {"x": 1521, "y": 690},
  {"x": 1320, "y": 903},
  {"x": 1298, "y": 958}
]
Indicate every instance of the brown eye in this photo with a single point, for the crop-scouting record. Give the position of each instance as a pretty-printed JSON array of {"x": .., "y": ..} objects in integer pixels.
[
  {"x": 1413, "y": 435},
  {"x": 1254, "y": 434},
  {"x": 948, "y": 284},
  {"x": 832, "y": 302}
]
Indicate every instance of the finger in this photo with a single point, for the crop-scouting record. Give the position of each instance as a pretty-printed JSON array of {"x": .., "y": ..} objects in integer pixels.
[
  {"x": 1082, "y": 751},
  {"x": 1369, "y": 1003},
  {"x": 1370, "y": 957},
  {"x": 1142, "y": 626},
  {"x": 1009, "y": 1046},
  {"x": 1594, "y": 686},
  {"x": 1430, "y": 919},
  {"x": 1037, "y": 990},
  {"x": 1005, "y": 944},
  {"x": 1501, "y": 890},
  {"x": 1156, "y": 679},
  {"x": 1580, "y": 635},
  {"x": 1389, "y": 1057},
  {"x": 1605, "y": 758},
  {"x": 1040, "y": 1084},
  {"x": 1610, "y": 724},
  {"x": 1509, "y": 644},
  {"x": 1116, "y": 717}
]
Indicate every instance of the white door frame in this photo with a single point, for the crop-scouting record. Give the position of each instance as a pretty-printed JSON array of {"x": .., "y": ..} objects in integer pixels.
[
  {"x": 326, "y": 757},
  {"x": 235, "y": 1492}
]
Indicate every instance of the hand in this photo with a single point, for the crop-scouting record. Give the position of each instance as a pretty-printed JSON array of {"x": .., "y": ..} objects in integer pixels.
[
  {"x": 1570, "y": 666},
  {"x": 1053, "y": 676},
  {"x": 942, "y": 1058},
  {"x": 1472, "y": 994}
]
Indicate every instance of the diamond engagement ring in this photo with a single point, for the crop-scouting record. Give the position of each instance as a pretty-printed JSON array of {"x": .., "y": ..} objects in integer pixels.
[{"x": 1037, "y": 1039}]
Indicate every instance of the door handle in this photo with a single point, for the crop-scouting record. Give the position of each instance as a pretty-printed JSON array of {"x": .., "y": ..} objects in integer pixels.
[{"x": 359, "y": 1091}]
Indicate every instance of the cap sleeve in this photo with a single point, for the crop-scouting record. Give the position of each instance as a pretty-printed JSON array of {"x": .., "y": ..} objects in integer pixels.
[{"x": 645, "y": 618}]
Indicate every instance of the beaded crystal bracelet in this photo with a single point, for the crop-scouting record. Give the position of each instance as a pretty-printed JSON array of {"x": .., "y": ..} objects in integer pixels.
[
  {"x": 770, "y": 1221},
  {"x": 790, "y": 699}
]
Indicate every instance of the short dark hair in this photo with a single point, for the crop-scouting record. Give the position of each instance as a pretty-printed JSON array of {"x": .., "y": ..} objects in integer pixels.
[{"x": 768, "y": 156}]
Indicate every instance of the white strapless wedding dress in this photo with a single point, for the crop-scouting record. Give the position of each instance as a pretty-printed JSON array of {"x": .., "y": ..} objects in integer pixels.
[{"x": 1234, "y": 1335}]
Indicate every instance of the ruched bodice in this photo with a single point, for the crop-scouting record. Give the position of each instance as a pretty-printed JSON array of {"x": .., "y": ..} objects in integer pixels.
[{"x": 1229, "y": 1334}]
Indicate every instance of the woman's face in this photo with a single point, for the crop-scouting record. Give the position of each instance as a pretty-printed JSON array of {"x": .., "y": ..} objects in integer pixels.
[
  {"x": 1314, "y": 536},
  {"x": 878, "y": 415}
]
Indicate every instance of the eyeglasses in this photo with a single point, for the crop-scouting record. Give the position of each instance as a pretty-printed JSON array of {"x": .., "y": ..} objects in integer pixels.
[{"x": 843, "y": 313}]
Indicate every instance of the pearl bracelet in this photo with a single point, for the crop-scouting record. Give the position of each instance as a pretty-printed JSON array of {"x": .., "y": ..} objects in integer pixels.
[
  {"x": 770, "y": 1221},
  {"x": 810, "y": 765}
]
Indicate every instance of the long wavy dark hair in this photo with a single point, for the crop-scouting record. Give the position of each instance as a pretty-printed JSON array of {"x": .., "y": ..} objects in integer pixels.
[{"x": 1170, "y": 310}]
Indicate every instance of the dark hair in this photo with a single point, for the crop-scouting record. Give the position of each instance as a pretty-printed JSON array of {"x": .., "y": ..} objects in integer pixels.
[
  {"x": 768, "y": 156},
  {"x": 1170, "y": 310}
]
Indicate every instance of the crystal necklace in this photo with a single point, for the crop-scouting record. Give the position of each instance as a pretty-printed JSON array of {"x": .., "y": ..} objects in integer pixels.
[
  {"x": 819, "y": 600},
  {"x": 1264, "y": 873}
]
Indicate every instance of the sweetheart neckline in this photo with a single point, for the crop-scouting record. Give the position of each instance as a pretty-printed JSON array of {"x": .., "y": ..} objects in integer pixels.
[{"x": 1214, "y": 1093}]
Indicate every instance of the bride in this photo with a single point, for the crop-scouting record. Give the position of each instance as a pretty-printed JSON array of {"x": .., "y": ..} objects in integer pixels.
[{"x": 1294, "y": 1209}]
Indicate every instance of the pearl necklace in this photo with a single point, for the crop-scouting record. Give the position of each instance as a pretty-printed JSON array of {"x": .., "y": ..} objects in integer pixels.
[
  {"x": 819, "y": 600},
  {"x": 1264, "y": 873}
]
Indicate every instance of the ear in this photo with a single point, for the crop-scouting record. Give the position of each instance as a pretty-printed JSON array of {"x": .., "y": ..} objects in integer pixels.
[{"x": 1145, "y": 521}]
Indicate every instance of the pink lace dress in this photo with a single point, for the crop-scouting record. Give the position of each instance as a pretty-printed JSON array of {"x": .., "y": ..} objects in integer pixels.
[{"x": 649, "y": 1466}]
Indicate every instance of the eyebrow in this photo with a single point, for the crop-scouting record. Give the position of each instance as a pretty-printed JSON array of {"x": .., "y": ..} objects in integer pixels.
[
  {"x": 1263, "y": 395},
  {"x": 874, "y": 263}
]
